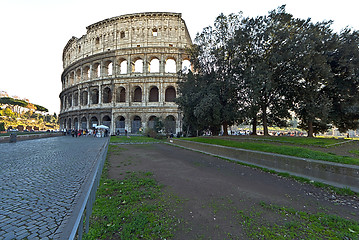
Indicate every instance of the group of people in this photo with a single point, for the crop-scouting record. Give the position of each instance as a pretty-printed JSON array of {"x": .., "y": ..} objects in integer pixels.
[{"x": 85, "y": 132}]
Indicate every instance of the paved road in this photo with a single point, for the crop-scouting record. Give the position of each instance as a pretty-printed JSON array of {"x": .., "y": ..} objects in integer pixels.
[{"x": 40, "y": 183}]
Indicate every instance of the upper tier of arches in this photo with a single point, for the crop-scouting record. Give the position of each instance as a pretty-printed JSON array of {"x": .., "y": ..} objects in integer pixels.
[{"x": 123, "y": 66}]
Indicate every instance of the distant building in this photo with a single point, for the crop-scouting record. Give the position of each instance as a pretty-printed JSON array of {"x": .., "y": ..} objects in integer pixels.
[{"x": 123, "y": 73}]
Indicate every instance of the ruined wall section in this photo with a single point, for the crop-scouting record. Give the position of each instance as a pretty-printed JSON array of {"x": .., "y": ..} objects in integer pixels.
[{"x": 128, "y": 31}]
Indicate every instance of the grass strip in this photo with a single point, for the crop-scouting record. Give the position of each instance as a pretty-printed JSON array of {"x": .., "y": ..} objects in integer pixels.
[
  {"x": 319, "y": 142},
  {"x": 296, "y": 224},
  {"x": 132, "y": 208},
  {"x": 283, "y": 149}
]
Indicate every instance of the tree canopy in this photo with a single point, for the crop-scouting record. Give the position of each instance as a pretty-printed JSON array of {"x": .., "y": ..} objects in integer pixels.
[{"x": 264, "y": 69}]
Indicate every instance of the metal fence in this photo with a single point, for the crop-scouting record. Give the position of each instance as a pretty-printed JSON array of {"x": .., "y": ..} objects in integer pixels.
[{"x": 81, "y": 225}]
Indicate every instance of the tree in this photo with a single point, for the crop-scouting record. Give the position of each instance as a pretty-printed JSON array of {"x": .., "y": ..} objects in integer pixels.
[
  {"x": 208, "y": 96},
  {"x": 311, "y": 74},
  {"x": 344, "y": 89},
  {"x": 262, "y": 42}
]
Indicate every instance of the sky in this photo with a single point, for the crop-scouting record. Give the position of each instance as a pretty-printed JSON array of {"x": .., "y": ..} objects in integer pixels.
[{"x": 34, "y": 32}]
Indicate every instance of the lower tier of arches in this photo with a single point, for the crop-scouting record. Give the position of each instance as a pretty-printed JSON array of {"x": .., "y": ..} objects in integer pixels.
[{"x": 121, "y": 121}]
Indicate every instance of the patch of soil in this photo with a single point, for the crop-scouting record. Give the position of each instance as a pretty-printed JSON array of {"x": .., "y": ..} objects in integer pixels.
[{"x": 214, "y": 192}]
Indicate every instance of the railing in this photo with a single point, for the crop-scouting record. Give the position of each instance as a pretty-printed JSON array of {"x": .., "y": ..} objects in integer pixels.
[{"x": 86, "y": 209}]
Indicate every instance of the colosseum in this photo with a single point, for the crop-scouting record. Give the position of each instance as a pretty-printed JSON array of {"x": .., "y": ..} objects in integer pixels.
[{"x": 123, "y": 73}]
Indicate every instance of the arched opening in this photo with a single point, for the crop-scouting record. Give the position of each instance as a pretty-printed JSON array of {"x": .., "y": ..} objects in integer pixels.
[
  {"x": 170, "y": 94},
  {"x": 69, "y": 124},
  {"x": 83, "y": 123},
  {"x": 154, "y": 66},
  {"x": 76, "y": 99},
  {"x": 84, "y": 98},
  {"x": 186, "y": 66},
  {"x": 137, "y": 95},
  {"x": 136, "y": 124},
  {"x": 121, "y": 94},
  {"x": 72, "y": 78},
  {"x": 70, "y": 100},
  {"x": 138, "y": 66},
  {"x": 123, "y": 67},
  {"x": 107, "y": 95},
  {"x": 93, "y": 122},
  {"x": 170, "y": 124},
  {"x": 120, "y": 125},
  {"x": 76, "y": 123},
  {"x": 86, "y": 72},
  {"x": 106, "y": 120},
  {"x": 153, "y": 97},
  {"x": 96, "y": 70},
  {"x": 152, "y": 122},
  {"x": 78, "y": 75},
  {"x": 170, "y": 66},
  {"x": 94, "y": 96},
  {"x": 108, "y": 68},
  {"x": 65, "y": 126}
]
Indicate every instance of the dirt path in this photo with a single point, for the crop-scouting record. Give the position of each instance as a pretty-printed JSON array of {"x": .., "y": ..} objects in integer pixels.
[{"x": 216, "y": 193}]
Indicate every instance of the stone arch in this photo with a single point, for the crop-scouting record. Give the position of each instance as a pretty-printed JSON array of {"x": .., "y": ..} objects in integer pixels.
[
  {"x": 170, "y": 124},
  {"x": 93, "y": 120},
  {"x": 84, "y": 98},
  {"x": 137, "y": 94},
  {"x": 121, "y": 94},
  {"x": 71, "y": 78},
  {"x": 170, "y": 66},
  {"x": 69, "y": 126},
  {"x": 107, "y": 95},
  {"x": 152, "y": 121},
  {"x": 86, "y": 73},
  {"x": 69, "y": 100},
  {"x": 76, "y": 123},
  {"x": 170, "y": 94},
  {"x": 64, "y": 123},
  {"x": 154, "y": 66},
  {"x": 108, "y": 68},
  {"x": 136, "y": 124},
  {"x": 83, "y": 123},
  {"x": 186, "y": 66},
  {"x": 137, "y": 66},
  {"x": 94, "y": 96},
  {"x": 120, "y": 124},
  {"x": 153, "y": 95},
  {"x": 78, "y": 75},
  {"x": 76, "y": 99},
  {"x": 123, "y": 66},
  {"x": 106, "y": 120},
  {"x": 96, "y": 70}
]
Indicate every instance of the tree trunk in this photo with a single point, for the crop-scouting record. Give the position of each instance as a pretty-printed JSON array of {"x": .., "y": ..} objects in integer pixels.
[
  {"x": 254, "y": 126},
  {"x": 310, "y": 129},
  {"x": 225, "y": 129},
  {"x": 264, "y": 120}
]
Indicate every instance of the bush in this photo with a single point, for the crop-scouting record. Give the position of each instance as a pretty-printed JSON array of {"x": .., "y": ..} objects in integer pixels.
[{"x": 2, "y": 126}]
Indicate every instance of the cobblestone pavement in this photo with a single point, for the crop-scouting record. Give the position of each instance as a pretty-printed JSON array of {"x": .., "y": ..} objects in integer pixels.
[{"x": 40, "y": 181}]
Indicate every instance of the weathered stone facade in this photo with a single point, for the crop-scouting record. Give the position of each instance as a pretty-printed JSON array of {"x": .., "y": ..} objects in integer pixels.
[{"x": 123, "y": 73}]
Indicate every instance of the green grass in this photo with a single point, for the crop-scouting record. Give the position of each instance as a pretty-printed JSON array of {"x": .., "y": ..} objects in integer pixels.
[
  {"x": 320, "y": 142},
  {"x": 133, "y": 139},
  {"x": 283, "y": 149},
  {"x": 132, "y": 208},
  {"x": 293, "y": 224},
  {"x": 356, "y": 152}
]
